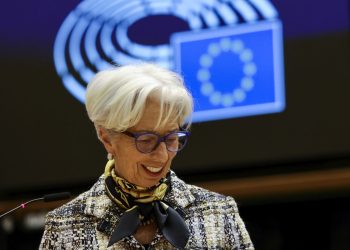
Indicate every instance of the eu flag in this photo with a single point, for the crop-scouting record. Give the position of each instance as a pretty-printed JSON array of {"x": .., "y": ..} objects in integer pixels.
[{"x": 233, "y": 71}]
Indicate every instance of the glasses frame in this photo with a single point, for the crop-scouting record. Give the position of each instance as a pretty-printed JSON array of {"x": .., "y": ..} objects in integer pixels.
[{"x": 160, "y": 139}]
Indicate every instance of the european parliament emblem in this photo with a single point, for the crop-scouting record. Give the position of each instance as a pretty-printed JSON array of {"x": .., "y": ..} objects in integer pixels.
[
  {"x": 233, "y": 72},
  {"x": 230, "y": 51}
]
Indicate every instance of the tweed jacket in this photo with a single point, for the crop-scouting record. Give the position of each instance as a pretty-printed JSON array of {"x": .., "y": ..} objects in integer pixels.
[{"x": 88, "y": 221}]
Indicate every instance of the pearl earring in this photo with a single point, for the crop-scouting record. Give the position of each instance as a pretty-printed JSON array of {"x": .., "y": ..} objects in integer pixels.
[{"x": 110, "y": 156}]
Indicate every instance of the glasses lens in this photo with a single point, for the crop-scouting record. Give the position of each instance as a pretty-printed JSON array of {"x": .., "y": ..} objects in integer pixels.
[
  {"x": 146, "y": 142},
  {"x": 176, "y": 141}
]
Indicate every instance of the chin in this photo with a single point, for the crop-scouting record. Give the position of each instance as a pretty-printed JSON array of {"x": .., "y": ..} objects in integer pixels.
[{"x": 150, "y": 183}]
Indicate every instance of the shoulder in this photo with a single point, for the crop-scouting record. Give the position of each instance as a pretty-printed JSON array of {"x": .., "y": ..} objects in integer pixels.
[
  {"x": 78, "y": 208},
  {"x": 69, "y": 210},
  {"x": 195, "y": 197},
  {"x": 76, "y": 220},
  {"x": 208, "y": 202},
  {"x": 207, "y": 196}
]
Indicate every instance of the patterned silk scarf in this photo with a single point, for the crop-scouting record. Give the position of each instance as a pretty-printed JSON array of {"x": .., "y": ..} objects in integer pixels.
[{"x": 141, "y": 206}]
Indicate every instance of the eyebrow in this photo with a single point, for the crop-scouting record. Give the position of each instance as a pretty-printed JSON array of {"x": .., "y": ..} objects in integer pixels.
[{"x": 155, "y": 132}]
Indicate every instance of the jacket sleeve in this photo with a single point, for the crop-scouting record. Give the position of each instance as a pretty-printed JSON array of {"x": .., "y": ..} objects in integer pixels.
[
  {"x": 235, "y": 228},
  {"x": 52, "y": 237}
]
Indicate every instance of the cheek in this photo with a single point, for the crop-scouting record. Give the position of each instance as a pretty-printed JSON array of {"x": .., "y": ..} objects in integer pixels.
[
  {"x": 123, "y": 149},
  {"x": 130, "y": 157},
  {"x": 125, "y": 157}
]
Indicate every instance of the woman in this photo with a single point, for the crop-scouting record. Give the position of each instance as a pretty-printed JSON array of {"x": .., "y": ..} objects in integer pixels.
[{"x": 140, "y": 112}]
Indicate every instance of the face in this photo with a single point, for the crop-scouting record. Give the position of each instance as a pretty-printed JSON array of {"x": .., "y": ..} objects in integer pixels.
[{"x": 144, "y": 170}]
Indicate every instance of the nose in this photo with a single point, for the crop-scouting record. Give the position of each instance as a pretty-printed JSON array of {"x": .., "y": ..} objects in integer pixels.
[{"x": 161, "y": 152}]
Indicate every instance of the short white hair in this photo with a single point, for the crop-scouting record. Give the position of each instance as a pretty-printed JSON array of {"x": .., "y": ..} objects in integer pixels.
[{"x": 116, "y": 98}]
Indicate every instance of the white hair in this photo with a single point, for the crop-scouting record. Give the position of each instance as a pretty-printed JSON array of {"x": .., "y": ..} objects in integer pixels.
[{"x": 116, "y": 98}]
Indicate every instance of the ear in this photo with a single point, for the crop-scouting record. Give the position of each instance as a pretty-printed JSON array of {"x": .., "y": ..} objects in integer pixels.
[{"x": 105, "y": 139}]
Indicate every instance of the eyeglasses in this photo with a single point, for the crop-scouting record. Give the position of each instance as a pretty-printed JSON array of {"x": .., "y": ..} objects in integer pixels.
[{"x": 146, "y": 142}]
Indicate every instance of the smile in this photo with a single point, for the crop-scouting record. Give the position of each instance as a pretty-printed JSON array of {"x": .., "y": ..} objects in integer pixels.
[{"x": 153, "y": 169}]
